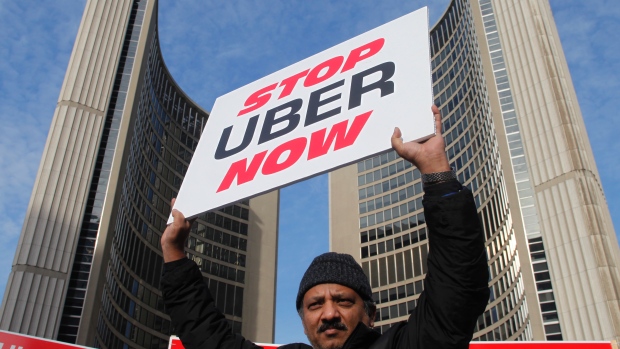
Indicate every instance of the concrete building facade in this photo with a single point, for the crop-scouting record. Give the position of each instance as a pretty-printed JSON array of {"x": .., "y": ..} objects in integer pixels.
[
  {"x": 515, "y": 135},
  {"x": 88, "y": 262}
]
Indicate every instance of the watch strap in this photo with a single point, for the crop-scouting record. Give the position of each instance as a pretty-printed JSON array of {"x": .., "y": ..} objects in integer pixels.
[{"x": 436, "y": 177}]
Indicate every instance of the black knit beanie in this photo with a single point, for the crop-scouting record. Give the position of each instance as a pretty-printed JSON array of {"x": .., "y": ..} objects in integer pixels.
[{"x": 334, "y": 268}]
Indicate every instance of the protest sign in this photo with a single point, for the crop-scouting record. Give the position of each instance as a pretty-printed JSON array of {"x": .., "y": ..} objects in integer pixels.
[{"x": 329, "y": 110}]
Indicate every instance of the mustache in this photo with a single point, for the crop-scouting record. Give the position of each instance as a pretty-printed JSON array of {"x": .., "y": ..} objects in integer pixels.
[{"x": 336, "y": 325}]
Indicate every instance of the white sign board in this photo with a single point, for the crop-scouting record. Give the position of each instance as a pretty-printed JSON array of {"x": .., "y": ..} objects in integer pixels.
[{"x": 327, "y": 111}]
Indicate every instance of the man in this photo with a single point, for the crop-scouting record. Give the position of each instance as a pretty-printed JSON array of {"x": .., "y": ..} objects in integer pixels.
[{"x": 335, "y": 299}]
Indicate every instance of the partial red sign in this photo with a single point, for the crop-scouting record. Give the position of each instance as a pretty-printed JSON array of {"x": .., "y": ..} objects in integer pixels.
[
  {"x": 11, "y": 340},
  {"x": 541, "y": 345},
  {"x": 175, "y": 343}
]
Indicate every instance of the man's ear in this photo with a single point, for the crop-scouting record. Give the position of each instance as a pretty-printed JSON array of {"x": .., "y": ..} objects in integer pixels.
[{"x": 373, "y": 314}]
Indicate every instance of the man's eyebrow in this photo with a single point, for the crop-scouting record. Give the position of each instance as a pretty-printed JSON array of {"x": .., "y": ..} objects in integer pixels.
[
  {"x": 316, "y": 298},
  {"x": 342, "y": 295}
]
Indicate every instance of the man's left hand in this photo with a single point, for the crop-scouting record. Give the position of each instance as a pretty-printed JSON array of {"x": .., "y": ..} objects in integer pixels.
[{"x": 174, "y": 237}]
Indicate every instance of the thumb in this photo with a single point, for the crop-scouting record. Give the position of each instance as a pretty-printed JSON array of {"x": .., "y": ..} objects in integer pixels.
[
  {"x": 397, "y": 140},
  {"x": 179, "y": 218}
]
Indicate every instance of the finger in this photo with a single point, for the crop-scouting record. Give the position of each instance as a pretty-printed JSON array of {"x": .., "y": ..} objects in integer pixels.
[
  {"x": 438, "y": 123},
  {"x": 172, "y": 202},
  {"x": 178, "y": 216},
  {"x": 397, "y": 141}
]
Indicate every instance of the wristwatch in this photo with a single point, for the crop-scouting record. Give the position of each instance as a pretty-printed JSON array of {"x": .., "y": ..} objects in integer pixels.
[{"x": 436, "y": 177}]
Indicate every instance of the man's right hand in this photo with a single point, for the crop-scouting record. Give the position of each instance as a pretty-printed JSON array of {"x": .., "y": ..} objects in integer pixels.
[
  {"x": 174, "y": 237},
  {"x": 428, "y": 156}
]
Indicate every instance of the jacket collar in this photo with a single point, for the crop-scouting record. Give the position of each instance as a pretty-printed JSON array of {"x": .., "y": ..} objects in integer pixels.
[{"x": 361, "y": 337}]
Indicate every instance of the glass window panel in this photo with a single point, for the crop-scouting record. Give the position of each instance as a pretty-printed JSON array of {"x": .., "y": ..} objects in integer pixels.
[
  {"x": 388, "y": 230},
  {"x": 370, "y": 205},
  {"x": 393, "y": 294},
  {"x": 409, "y": 289},
  {"x": 364, "y": 236},
  {"x": 384, "y": 296},
  {"x": 378, "y": 203},
  {"x": 372, "y": 233},
  {"x": 365, "y": 252}
]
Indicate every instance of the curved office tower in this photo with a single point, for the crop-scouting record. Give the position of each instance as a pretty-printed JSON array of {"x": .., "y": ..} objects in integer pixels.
[
  {"x": 88, "y": 263},
  {"x": 515, "y": 137}
]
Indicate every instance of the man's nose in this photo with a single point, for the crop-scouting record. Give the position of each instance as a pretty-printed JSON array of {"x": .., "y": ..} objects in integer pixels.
[{"x": 330, "y": 312}]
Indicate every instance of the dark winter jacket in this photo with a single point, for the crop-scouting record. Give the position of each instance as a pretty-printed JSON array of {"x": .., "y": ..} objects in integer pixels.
[{"x": 455, "y": 288}]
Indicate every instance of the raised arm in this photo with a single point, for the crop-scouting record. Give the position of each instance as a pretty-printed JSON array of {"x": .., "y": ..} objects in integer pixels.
[
  {"x": 189, "y": 303},
  {"x": 456, "y": 284}
]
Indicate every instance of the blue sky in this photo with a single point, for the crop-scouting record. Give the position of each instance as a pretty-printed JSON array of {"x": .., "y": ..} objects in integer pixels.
[{"x": 213, "y": 47}]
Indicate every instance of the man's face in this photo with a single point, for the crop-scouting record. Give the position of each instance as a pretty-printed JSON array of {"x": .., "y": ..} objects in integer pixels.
[{"x": 330, "y": 312}]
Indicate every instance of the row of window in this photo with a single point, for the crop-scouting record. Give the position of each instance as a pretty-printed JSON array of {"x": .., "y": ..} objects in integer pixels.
[
  {"x": 106, "y": 338},
  {"x": 220, "y": 237},
  {"x": 389, "y": 199},
  {"x": 237, "y": 211},
  {"x": 117, "y": 309},
  {"x": 508, "y": 329},
  {"x": 396, "y": 243},
  {"x": 392, "y": 228},
  {"x": 401, "y": 292},
  {"x": 228, "y": 297},
  {"x": 499, "y": 264},
  {"x": 396, "y": 310},
  {"x": 442, "y": 32},
  {"x": 498, "y": 313},
  {"x": 376, "y": 161},
  {"x": 229, "y": 224},
  {"x": 388, "y": 185},
  {"x": 384, "y": 172},
  {"x": 188, "y": 122},
  {"x": 454, "y": 117},
  {"x": 216, "y": 269},
  {"x": 507, "y": 281},
  {"x": 545, "y": 290},
  {"x": 454, "y": 94},
  {"x": 139, "y": 256},
  {"x": 216, "y": 252},
  {"x": 117, "y": 275},
  {"x": 393, "y": 213},
  {"x": 459, "y": 57},
  {"x": 401, "y": 266}
]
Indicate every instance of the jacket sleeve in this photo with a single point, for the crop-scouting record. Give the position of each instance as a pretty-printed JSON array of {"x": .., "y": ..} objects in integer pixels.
[
  {"x": 456, "y": 284},
  {"x": 195, "y": 319}
]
